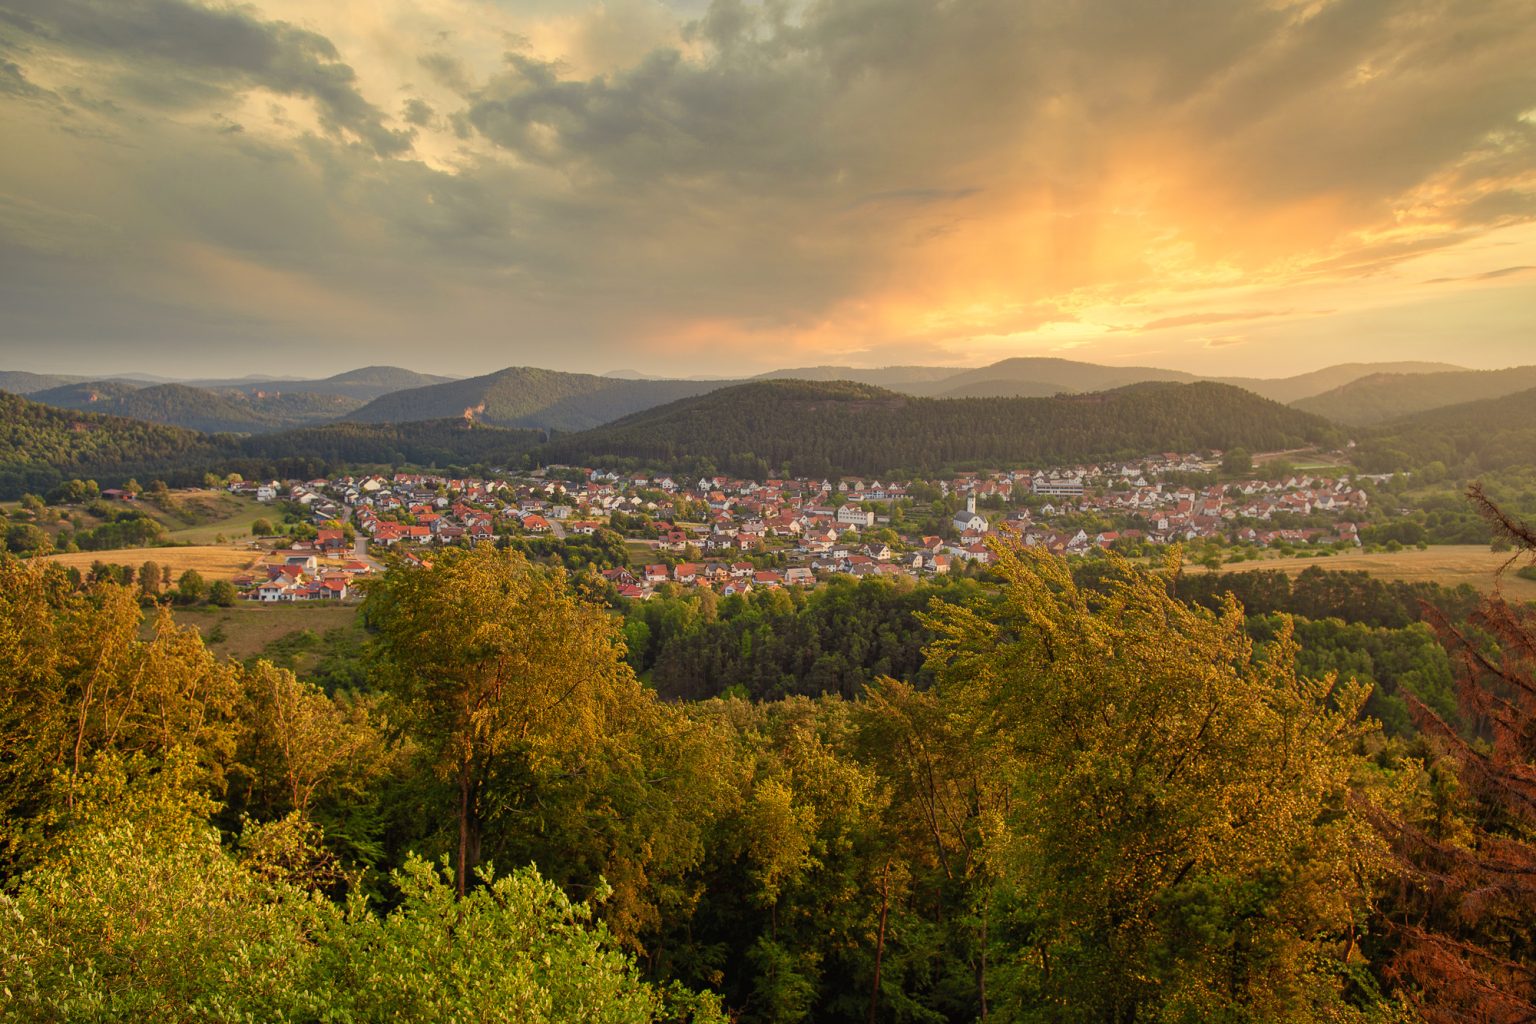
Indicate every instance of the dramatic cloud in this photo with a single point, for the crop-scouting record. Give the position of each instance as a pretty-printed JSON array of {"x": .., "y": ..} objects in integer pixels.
[{"x": 463, "y": 184}]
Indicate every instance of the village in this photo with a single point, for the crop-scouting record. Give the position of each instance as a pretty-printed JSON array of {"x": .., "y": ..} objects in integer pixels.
[{"x": 736, "y": 535}]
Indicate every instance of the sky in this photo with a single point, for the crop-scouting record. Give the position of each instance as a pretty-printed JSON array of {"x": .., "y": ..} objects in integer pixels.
[{"x": 1256, "y": 187}]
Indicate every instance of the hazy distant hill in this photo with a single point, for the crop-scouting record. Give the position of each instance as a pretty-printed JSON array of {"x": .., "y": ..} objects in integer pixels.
[
  {"x": 907, "y": 379},
  {"x": 364, "y": 384},
  {"x": 1384, "y": 396},
  {"x": 206, "y": 409},
  {"x": 1469, "y": 438},
  {"x": 1041, "y": 375},
  {"x": 1304, "y": 385},
  {"x": 1034, "y": 376},
  {"x": 523, "y": 396},
  {"x": 91, "y": 396},
  {"x": 819, "y": 428},
  {"x": 20, "y": 382}
]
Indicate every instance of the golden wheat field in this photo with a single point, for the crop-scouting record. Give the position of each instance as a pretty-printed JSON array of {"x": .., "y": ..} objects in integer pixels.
[{"x": 213, "y": 561}]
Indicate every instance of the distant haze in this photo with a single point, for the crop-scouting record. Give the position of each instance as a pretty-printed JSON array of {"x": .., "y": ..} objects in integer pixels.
[{"x": 715, "y": 189}]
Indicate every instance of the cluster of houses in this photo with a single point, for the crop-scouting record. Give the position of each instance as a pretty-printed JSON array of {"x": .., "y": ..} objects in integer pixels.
[
  {"x": 712, "y": 531},
  {"x": 323, "y": 569}
]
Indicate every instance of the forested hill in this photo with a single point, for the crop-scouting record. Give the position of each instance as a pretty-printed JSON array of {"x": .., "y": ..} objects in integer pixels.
[
  {"x": 814, "y": 429},
  {"x": 365, "y": 383},
  {"x": 40, "y": 445},
  {"x": 524, "y": 396},
  {"x": 1468, "y": 439},
  {"x": 1382, "y": 397},
  {"x": 200, "y": 408}
]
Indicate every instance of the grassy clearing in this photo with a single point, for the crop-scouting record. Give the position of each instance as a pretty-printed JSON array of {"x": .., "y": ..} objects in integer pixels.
[
  {"x": 213, "y": 513},
  {"x": 212, "y": 561},
  {"x": 247, "y": 629},
  {"x": 1447, "y": 564}
]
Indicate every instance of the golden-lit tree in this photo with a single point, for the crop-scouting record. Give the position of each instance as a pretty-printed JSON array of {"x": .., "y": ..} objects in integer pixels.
[
  {"x": 496, "y": 660},
  {"x": 1177, "y": 843}
]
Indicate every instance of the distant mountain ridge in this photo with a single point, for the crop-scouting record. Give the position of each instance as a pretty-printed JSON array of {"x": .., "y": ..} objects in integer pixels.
[
  {"x": 365, "y": 383},
  {"x": 815, "y": 428},
  {"x": 195, "y": 408},
  {"x": 543, "y": 399},
  {"x": 1292, "y": 389},
  {"x": 526, "y": 396}
]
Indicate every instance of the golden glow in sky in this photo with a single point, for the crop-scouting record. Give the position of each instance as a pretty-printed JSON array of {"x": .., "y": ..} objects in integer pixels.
[{"x": 716, "y": 188}]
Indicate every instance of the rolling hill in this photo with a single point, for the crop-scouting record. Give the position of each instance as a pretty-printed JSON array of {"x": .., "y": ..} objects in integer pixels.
[
  {"x": 815, "y": 428},
  {"x": 1468, "y": 438},
  {"x": 41, "y": 445},
  {"x": 1385, "y": 396},
  {"x": 908, "y": 379},
  {"x": 1035, "y": 376},
  {"x": 1305, "y": 385},
  {"x": 1041, "y": 375},
  {"x": 523, "y": 396},
  {"x": 20, "y": 382},
  {"x": 363, "y": 384}
]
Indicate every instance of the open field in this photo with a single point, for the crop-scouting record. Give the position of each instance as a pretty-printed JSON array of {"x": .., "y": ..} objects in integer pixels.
[
  {"x": 214, "y": 561},
  {"x": 247, "y": 628},
  {"x": 1448, "y": 564}
]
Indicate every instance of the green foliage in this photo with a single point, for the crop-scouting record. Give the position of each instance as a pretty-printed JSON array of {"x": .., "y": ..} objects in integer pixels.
[
  {"x": 515, "y": 949},
  {"x": 222, "y": 593},
  {"x": 144, "y": 916},
  {"x": 128, "y": 528},
  {"x": 837, "y": 638},
  {"x": 1237, "y": 463},
  {"x": 27, "y": 539},
  {"x": 191, "y": 587},
  {"x": 601, "y": 550},
  {"x": 147, "y": 917},
  {"x": 1399, "y": 664}
]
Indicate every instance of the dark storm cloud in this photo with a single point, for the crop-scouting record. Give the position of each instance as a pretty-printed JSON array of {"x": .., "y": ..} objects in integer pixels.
[
  {"x": 1363, "y": 97},
  {"x": 171, "y": 48}
]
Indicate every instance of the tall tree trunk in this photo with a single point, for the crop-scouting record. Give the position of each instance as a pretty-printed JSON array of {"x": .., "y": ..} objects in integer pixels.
[
  {"x": 981, "y": 961},
  {"x": 469, "y": 828},
  {"x": 885, "y": 902}
]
